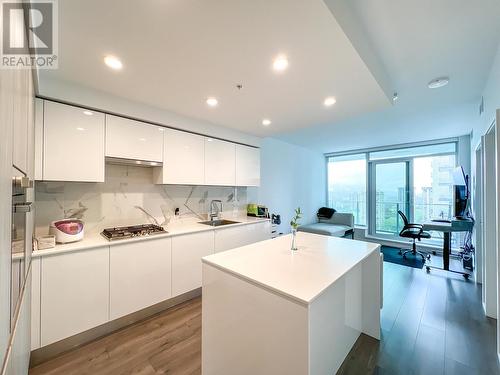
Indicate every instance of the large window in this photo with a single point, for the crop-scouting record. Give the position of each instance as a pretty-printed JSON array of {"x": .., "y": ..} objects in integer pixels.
[
  {"x": 415, "y": 180},
  {"x": 347, "y": 185}
]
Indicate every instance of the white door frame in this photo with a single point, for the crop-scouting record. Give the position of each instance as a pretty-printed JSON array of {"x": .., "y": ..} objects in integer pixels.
[
  {"x": 372, "y": 206},
  {"x": 477, "y": 205},
  {"x": 489, "y": 222}
]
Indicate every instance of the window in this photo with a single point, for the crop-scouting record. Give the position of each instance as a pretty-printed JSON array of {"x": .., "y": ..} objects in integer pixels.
[
  {"x": 347, "y": 185},
  {"x": 416, "y": 180}
]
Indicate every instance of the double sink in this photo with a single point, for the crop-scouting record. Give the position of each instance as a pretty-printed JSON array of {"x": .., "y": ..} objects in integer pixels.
[{"x": 218, "y": 223}]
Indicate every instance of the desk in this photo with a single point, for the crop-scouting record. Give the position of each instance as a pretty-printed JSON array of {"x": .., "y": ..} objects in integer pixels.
[{"x": 447, "y": 228}]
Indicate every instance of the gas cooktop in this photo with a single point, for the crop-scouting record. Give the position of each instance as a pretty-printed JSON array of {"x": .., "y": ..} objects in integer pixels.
[{"x": 119, "y": 233}]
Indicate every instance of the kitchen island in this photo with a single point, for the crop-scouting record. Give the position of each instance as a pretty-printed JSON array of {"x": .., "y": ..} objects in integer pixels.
[{"x": 268, "y": 310}]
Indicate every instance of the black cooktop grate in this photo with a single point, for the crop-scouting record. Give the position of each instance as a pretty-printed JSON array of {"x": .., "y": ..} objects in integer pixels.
[{"x": 132, "y": 231}]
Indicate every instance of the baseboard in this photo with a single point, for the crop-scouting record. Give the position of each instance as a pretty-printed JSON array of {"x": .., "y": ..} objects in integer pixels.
[{"x": 51, "y": 351}]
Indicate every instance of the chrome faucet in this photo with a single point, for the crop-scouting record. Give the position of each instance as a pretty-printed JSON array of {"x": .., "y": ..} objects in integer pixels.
[{"x": 214, "y": 210}]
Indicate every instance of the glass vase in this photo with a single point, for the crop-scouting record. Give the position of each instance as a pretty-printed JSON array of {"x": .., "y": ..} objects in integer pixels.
[{"x": 294, "y": 235}]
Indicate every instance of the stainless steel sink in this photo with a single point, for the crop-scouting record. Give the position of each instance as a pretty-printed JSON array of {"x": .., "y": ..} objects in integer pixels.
[{"x": 218, "y": 223}]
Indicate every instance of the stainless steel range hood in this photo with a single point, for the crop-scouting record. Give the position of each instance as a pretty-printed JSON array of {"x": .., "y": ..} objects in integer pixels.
[{"x": 134, "y": 162}]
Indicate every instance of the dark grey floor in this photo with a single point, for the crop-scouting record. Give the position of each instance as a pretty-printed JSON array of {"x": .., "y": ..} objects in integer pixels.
[{"x": 432, "y": 324}]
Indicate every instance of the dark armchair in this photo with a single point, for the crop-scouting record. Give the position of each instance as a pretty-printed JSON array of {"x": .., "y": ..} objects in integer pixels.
[{"x": 415, "y": 232}]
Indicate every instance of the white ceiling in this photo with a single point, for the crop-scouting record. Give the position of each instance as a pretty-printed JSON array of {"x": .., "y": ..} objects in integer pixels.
[
  {"x": 416, "y": 41},
  {"x": 178, "y": 52}
]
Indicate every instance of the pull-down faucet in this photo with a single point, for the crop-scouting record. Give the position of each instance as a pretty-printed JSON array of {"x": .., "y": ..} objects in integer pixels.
[{"x": 214, "y": 210}]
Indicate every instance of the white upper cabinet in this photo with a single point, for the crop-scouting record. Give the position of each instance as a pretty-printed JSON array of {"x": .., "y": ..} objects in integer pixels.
[
  {"x": 247, "y": 166},
  {"x": 219, "y": 162},
  {"x": 73, "y": 144},
  {"x": 129, "y": 139},
  {"x": 183, "y": 159}
]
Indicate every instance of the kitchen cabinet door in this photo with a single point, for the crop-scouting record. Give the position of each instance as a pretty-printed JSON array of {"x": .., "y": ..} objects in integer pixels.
[
  {"x": 219, "y": 162},
  {"x": 20, "y": 118},
  {"x": 140, "y": 275},
  {"x": 74, "y": 293},
  {"x": 35, "y": 303},
  {"x": 130, "y": 139},
  {"x": 230, "y": 238},
  {"x": 39, "y": 139},
  {"x": 183, "y": 159},
  {"x": 187, "y": 252},
  {"x": 247, "y": 166},
  {"x": 73, "y": 147},
  {"x": 31, "y": 130}
]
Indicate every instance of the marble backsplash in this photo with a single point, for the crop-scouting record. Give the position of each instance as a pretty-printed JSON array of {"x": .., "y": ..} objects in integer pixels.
[{"x": 127, "y": 197}]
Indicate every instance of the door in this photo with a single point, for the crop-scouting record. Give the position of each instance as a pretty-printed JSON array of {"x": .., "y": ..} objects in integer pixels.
[
  {"x": 187, "y": 252},
  {"x": 219, "y": 162},
  {"x": 247, "y": 166},
  {"x": 140, "y": 275},
  {"x": 130, "y": 139},
  {"x": 73, "y": 147},
  {"x": 183, "y": 158},
  {"x": 390, "y": 194}
]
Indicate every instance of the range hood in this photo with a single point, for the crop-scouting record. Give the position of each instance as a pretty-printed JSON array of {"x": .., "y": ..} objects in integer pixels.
[{"x": 134, "y": 162}]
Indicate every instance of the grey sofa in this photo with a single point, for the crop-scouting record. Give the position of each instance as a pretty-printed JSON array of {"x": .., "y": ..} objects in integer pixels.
[{"x": 339, "y": 225}]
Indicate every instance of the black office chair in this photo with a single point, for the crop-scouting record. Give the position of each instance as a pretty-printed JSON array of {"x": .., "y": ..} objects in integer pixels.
[{"x": 415, "y": 232}]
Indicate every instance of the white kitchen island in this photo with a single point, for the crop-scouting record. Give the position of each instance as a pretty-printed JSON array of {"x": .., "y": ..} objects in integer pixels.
[{"x": 267, "y": 310}]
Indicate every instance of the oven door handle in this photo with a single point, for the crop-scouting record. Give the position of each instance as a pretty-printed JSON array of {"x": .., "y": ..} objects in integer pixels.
[{"x": 21, "y": 207}]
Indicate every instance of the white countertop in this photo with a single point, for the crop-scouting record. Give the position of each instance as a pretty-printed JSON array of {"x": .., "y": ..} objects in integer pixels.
[
  {"x": 173, "y": 229},
  {"x": 301, "y": 275}
]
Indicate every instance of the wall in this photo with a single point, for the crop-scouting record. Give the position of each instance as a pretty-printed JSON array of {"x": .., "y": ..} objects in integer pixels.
[
  {"x": 291, "y": 176},
  {"x": 491, "y": 95},
  {"x": 118, "y": 201}
]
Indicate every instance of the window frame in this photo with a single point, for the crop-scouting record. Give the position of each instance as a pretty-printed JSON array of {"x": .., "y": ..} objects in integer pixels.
[{"x": 369, "y": 184}]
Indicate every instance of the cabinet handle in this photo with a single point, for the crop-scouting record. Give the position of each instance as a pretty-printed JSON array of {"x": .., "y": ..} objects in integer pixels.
[{"x": 21, "y": 207}]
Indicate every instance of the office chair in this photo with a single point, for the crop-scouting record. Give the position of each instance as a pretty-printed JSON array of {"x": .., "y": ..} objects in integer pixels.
[{"x": 415, "y": 232}]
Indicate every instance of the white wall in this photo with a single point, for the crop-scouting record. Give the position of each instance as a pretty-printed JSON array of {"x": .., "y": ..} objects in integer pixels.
[
  {"x": 291, "y": 176},
  {"x": 491, "y": 95},
  {"x": 84, "y": 96}
]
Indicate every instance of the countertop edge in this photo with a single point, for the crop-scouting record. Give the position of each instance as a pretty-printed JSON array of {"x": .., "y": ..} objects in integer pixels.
[
  {"x": 96, "y": 242},
  {"x": 305, "y": 302}
]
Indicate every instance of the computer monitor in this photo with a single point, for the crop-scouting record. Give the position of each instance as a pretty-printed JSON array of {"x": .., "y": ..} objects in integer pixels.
[{"x": 461, "y": 185}]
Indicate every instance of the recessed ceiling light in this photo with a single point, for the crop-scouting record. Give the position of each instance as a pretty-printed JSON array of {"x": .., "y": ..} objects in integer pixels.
[
  {"x": 266, "y": 122},
  {"x": 113, "y": 62},
  {"x": 330, "y": 101},
  {"x": 280, "y": 63},
  {"x": 88, "y": 113},
  {"x": 438, "y": 82},
  {"x": 212, "y": 102},
  {"x": 80, "y": 129}
]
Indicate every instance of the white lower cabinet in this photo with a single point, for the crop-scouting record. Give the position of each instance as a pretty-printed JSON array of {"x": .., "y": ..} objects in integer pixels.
[
  {"x": 187, "y": 252},
  {"x": 140, "y": 275},
  {"x": 35, "y": 303},
  {"x": 232, "y": 237},
  {"x": 74, "y": 293}
]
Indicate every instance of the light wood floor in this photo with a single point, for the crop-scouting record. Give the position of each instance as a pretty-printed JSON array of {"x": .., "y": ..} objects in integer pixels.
[
  {"x": 432, "y": 324},
  {"x": 169, "y": 343}
]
